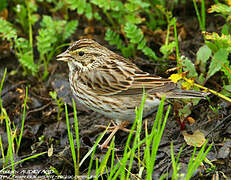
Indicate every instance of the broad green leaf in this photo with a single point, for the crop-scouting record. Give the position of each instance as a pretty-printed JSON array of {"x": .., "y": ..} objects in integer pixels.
[
  {"x": 203, "y": 55},
  {"x": 227, "y": 87},
  {"x": 81, "y": 6},
  {"x": 219, "y": 59},
  {"x": 3, "y": 4},
  {"x": 211, "y": 46},
  {"x": 189, "y": 66}
]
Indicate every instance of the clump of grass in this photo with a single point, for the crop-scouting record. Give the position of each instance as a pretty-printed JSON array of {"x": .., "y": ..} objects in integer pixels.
[
  {"x": 11, "y": 136},
  {"x": 122, "y": 168}
]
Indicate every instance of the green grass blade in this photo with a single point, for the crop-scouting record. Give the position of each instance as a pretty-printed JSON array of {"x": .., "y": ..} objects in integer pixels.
[
  {"x": 23, "y": 121},
  {"x": 76, "y": 135},
  {"x": 71, "y": 140},
  {"x": 10, "y": 141}
]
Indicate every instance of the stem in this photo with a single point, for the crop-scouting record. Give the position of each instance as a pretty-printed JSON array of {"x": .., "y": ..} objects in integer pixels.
[
  {"x": 179, "y": 64},
  {"x": 30, "y": 27}
]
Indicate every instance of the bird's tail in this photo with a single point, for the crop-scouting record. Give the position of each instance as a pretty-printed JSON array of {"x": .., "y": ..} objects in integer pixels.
[{"x": 179, "y": 93}]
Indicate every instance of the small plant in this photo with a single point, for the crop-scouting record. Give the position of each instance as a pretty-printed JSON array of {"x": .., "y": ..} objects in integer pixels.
[
  {"x": 200, "y": 16},
  {"x": 25, "y": 15},
  {"x": 59, "y": 103},
  {"x": 123, "y": 167},
  {"x": 51, "y": 33},
  {"x": 151, "y": 140},
  {"x": 216, "y": 50},
  {"x": 194, "y": 161},
  {"x": 225, "y": 11},
  {"x": 75, "y": 155},
  {"x": 123, "y": 21},
  {"x": 20, "y": 45}
]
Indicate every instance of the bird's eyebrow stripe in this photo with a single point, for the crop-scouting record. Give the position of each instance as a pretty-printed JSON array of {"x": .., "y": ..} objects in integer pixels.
[
  {"x": 76, "y": 50},
  {"x": 78, "y": 46}
]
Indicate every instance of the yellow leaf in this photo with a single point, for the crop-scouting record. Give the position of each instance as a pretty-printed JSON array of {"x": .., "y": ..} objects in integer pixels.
[
  {"x": 229, "y": 2},
  {"x": 176, "y": 77},
  {"x": 50, "y": 151},
  {"x": 186, "y": 85},
  {"x": 196, "y": 139}
]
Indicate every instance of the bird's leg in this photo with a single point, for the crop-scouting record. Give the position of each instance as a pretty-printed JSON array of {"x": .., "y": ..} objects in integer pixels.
[
  {"x": 115, "y": 128},
  {"x": 110, "y": 129}
]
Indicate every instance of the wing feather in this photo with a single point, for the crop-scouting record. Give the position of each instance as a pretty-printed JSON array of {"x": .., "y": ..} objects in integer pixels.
[{"x": 123, "y": 78}]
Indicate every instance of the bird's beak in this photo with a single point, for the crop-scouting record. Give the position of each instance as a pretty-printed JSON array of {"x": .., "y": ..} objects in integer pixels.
[{"x": 65, "y": 56}]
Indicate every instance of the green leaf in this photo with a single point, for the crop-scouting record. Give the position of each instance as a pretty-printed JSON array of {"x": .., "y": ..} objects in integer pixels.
[
  {"x": 134, "y": 34},
  {"x": 201, "y": 79},
  {"x": 226, "y": 29},
  {"x": 27, "y": 61},
  {"x": 7, "y": 31},
  {"x": 113, "y": 38},
  {"x": 189, "y": 66},
  {"x": 53, "y": 94},
  {"x": 81, "y": 6},
  {"x": 219, "y": 59},
  {"x": 167, "y": 49},
  {"x": 226, "y": 91},
  {"x": 226, "y": 69},
  {"x": 127, "y": 51},
  {"x": 132, "y": 18},
  {"x": 149, "y": 52},
  {"x": 211, "y": 46},
  {"x": 203, "y": 55},
  {"x": 45, "y": 41},
  {"x": 220, "y": 8},
  {"x": 227, "y": 87},
  {"x": 70, "y": 29},
  {"x": 22, "y": 45},
  {"x": 3, "y": 4},
  {"x": 97, "y": 16},
  {"x": 88, "y": 11},
  {"x": 142, "y": 44}
]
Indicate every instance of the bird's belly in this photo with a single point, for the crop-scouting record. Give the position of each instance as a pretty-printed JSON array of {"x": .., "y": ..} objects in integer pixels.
[{"x": 117, "y": 107}]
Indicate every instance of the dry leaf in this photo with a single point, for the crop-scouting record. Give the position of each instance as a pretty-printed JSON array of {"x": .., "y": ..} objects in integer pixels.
[
  {"x": 50, "y": 151},
  {"x": 196, "y": 139},
  {"x": 190, "y": 120}
]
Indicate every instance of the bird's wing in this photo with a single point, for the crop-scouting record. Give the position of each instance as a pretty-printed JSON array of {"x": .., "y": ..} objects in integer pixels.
[{"x": 124, "y": 78}]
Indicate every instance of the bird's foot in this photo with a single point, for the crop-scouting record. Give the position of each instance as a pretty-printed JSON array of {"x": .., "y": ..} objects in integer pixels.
[{"x": 113, "y": 130}]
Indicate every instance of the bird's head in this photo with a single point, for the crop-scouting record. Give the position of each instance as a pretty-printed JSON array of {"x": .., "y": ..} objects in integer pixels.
[{"x": 84, "y": 55}]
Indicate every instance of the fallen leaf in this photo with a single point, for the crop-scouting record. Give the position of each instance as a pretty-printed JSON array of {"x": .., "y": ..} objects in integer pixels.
[
  {"x": 191, "y": 120},
  {"x": 196, "y": 139},
  {"x": 50, "y": 151}
]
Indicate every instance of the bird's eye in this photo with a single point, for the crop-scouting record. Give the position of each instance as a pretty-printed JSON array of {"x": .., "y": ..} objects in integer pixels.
[{"x": 81, "y": 53}]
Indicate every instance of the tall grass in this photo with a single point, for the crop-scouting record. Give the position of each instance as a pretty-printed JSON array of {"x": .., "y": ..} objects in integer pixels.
[
  {"x": 143, "y": 150},
  {"x": 11, "y": 136}
]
